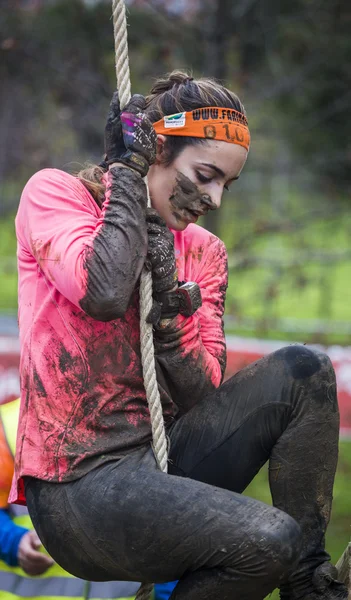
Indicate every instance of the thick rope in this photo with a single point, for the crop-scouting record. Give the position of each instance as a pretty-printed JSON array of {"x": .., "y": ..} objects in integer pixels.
[
  {"x": 146, "y": 335},
  {"x": 121, "y": 51}
]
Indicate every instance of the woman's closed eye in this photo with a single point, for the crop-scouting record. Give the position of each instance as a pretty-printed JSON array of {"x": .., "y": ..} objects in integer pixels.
[{"x": 202, "y": 178}]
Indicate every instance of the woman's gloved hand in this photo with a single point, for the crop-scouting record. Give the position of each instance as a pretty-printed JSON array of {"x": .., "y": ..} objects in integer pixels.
[
  {"x": 160, "y": 260},
  {"x": 160, "y": 254},
  {"x": 129, "y": 135}
]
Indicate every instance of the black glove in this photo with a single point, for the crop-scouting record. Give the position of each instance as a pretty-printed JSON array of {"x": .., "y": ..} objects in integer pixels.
[
  {"x": 160, "y": 260},
  {"x": 160, "y": 253},
  {"x": 129, "y": 135}
]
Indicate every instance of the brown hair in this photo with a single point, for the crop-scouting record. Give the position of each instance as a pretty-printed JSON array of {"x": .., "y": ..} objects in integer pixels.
[{"x": 178, "y": 92}]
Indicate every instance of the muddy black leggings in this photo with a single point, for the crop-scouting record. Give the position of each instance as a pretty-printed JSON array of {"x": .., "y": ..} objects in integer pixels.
[{"x": 127, "y": 520}]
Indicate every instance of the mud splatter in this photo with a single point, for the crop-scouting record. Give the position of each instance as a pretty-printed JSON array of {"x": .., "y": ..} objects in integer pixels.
[
  {"x": 40, "y": 250},
  {"x": 187, "y": 196},
  {"x": 66, "y": 361},
  {"x": 38, "y": 384},
  {"x": 42, "y": 254},
  {"x": 196, "y": 253}
]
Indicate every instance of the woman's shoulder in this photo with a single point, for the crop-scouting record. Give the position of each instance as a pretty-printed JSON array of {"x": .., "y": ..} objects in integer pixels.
[
  {"x": 201, "y": 255},
  {"x": 55, "y": 183},
  {"x": 55, "y": 176},
  {"x": 195, "y": 235}
]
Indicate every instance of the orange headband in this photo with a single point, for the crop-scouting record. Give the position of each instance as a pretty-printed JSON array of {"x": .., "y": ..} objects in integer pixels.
[{"x": 212, "y": 123}]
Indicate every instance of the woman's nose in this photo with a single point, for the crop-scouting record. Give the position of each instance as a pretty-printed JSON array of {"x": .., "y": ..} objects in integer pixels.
[
  {"x": 213, "y": 201},
  {"x": 216, "y": 197}
]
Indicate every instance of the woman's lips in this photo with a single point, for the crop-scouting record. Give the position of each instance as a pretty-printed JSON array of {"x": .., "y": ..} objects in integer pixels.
[{"x": 190, "y": 216}]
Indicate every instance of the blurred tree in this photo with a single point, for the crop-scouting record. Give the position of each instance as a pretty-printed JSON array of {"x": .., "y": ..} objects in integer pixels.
[
  {"x": 296, "y": 56},
  {"x": 55, "y": 83},
  {"x": 289, "y": 61},
  {"x": 216, "y": 40}
]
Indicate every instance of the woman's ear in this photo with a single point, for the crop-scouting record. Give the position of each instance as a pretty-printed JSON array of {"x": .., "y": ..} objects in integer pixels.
[{"x": 160, "y": 149}]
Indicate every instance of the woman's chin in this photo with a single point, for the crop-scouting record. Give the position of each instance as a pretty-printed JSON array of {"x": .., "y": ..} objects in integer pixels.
[{"x": 179, "y": 223}]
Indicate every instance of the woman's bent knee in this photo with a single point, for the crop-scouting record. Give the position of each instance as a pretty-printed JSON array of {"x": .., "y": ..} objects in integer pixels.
[
  {"x": 302, "y": 362},
  {"x": 279, "y": 538},
  {"x": 313, "y": 370}
]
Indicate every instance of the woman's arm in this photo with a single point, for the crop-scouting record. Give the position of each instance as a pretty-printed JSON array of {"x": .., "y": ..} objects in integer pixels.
[
  {"x": 92, "y": 257},
  {"x": 116, "y": 258},
  {"x": 191, "y": 351}
]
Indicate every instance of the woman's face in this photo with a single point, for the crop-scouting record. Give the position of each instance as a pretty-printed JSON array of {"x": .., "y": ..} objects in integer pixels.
[{"x": 194, "y": 182}]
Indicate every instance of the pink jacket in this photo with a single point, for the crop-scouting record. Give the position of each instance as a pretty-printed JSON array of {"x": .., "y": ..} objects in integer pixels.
[{"x": 82, "y": 395}]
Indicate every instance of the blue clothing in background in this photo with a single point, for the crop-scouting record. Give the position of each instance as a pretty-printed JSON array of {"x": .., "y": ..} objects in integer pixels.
[
  {"x": 164, "y": 590},
  {"x": 10, "y": 537}
]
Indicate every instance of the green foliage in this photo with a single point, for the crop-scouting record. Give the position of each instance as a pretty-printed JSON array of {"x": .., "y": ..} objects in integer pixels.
[
  {"x": 294, "y": 57},
  {"x": 55, "y": 68},
  {"x": 8, "y": 274},
  {"x": 288, "y": 60},
  {"x": 289, "y": 260},
  {"x": 57, "y": 65}
]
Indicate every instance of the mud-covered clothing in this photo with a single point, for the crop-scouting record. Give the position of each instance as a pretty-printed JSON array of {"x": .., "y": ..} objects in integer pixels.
[
  {"x": 82, "y": 394},
  {"x": 193, "y": 524}
]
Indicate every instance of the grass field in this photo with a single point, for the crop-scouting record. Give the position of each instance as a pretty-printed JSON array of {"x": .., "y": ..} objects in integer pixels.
[
  {"x": 8, "y": 274},
  {"x": 288, "y": 261},
  {"x": 339, "y": 530}
]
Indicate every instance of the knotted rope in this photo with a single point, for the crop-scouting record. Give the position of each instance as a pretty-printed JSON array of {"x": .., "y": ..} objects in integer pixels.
[{"x": 146, "y": 336}]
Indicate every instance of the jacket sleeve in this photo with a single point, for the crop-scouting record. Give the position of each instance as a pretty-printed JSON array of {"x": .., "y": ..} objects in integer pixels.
[
  {"x": 192, "y": 351},
  {"x": 163, "y": 591},
  {"x": 92, "y": 257},
  {"x": 10, "y": 537}
]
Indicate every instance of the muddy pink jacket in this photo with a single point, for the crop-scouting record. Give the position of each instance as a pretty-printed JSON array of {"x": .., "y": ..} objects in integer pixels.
[{"x": 82, "y": 395}]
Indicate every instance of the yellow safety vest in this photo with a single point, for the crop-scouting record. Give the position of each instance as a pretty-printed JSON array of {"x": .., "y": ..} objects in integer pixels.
[{"x": 55, "y": 583}]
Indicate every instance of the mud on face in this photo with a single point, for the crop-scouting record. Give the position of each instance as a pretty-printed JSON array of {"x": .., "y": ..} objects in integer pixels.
[{"x": 186, "y": 196}]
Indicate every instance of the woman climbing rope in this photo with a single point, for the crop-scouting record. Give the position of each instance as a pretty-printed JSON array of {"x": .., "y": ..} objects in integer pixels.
[{"x": 85, "y": 464}]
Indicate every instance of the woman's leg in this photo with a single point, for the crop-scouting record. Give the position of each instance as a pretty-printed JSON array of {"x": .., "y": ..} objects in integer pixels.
[
  {"x": 129, "y": 521},
  {"x": 282, "y": 408}
]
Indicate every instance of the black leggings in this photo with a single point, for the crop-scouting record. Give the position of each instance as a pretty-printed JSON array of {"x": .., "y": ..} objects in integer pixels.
[{"x": 126, "y": 520}]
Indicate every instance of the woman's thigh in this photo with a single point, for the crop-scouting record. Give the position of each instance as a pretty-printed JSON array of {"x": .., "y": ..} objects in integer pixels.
[
  {"x": 225, "y": 439},
  {"x": 129, "y": 521}
]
